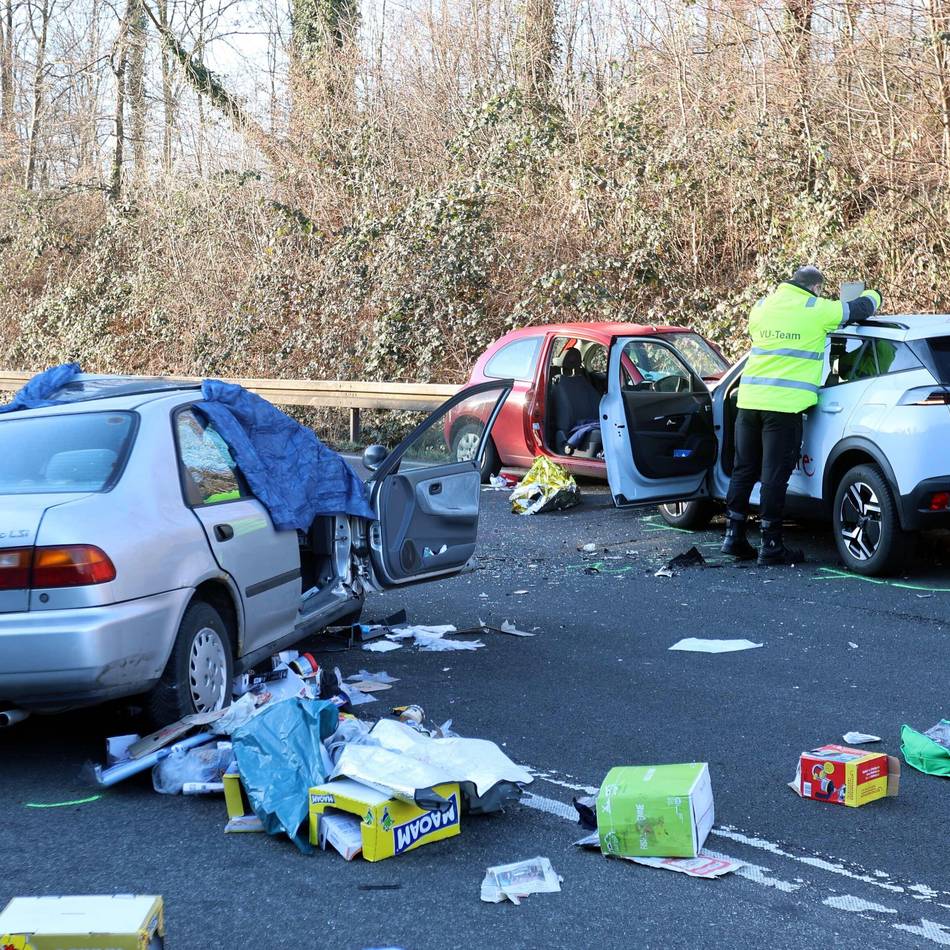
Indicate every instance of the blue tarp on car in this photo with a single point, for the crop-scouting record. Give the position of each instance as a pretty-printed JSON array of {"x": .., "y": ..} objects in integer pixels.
[
  {"x": 37, "y": 392},
  {"x": 291, "y": 472}
]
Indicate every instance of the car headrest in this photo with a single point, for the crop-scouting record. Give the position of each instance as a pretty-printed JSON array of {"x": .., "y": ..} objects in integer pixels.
[{"x": 571, "y": 361}]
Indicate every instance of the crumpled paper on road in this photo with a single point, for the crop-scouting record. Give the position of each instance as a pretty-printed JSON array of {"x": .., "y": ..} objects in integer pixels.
[
  {"x": 546, "y": 487},
  {"x": 515, "y": 881},
  {"x": 432, "y": 639}
]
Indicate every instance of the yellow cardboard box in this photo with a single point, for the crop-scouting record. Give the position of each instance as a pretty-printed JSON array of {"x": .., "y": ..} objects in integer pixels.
[
  {"x": 389, "y": 827},
  {"x": 122, "y": 922}
]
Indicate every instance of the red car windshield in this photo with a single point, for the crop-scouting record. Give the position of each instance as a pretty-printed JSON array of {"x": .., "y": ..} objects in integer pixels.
[{"x": 707, "y": 361}]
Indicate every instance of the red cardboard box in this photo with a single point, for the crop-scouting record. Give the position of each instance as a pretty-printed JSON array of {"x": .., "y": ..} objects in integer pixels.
[{"x": 837, "y": 773}]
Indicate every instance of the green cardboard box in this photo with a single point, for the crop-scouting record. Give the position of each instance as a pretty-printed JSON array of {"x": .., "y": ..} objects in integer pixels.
[{"x": 663, "y": 811}]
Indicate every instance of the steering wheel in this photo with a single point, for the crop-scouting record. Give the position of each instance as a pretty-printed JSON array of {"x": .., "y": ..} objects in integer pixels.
[{"x": 661, "y": 385}]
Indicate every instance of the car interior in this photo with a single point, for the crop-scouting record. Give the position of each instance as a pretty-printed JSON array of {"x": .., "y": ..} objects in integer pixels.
[
  {"x": 668, "y": 412},
  {"x": 577, "y": 379}
]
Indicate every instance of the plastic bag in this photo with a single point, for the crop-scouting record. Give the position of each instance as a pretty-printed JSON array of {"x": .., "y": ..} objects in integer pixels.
[
  {"x": 546, "y": 487},
  {"x": 280, "y": 755},
  {"x": 206, "y": 764},
  {"x": 926, "y": 751}
]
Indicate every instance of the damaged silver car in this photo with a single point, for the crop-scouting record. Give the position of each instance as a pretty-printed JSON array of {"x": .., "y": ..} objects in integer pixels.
[{"x": 134, "y": 559}]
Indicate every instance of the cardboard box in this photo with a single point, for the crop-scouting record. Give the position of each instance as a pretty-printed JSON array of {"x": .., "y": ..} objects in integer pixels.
[
  {"x": 389, "y": 827},
  {"x": 241, "y": 817},
  {"x": 663, "y": 811},
  {"x": 846, "y": 776},
  {"x": 342, "y": 832},
  {"x": 123, "y": 922}
]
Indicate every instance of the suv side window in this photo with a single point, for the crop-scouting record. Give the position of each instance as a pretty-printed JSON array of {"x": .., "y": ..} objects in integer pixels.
[
  {"x": 850, "y": 359},
  {"x": 209, "y": 473},
  {"x": 893, "y": 357},
  {"x": 515, "y": 361}
]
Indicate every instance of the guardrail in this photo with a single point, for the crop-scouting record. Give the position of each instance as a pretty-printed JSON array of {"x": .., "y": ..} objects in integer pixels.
[{"x": 337, "y": 394}]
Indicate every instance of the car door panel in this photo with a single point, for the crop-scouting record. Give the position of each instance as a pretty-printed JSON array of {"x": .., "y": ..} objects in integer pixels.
[
  {"x": 659, "y": 445},
  {"x": 263, "y": 563},
  {"x": 426, "y": 503}
]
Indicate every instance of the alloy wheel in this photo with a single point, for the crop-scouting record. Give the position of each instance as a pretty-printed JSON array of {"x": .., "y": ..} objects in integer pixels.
[
  {"x": 860, "y": 521},
  {"x": 467, "y": 447},
  {"x": 208, "y": 671},
  {"x": 675, "y": 508}
]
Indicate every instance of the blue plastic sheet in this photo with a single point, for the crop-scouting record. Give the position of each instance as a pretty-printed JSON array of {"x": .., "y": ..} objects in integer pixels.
[
  {"x": 291, "y": 472},
  {"x": 280, "y": 757},
  {"x": 38, "y": 391}
]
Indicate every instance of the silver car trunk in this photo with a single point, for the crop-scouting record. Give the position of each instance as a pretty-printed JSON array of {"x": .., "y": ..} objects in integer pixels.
[{"x": 20, "y": 519}]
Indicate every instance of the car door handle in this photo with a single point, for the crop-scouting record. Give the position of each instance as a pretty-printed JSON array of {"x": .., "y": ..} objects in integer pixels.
[
  {"x": 832, "y": 407},
  {"x": 435, "y": 488},
  {"x": 223, "y": 532}
]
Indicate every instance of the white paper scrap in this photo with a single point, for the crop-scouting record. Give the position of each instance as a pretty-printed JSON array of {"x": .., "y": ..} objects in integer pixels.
[
  {"x": 381, "y": 646},
  {"x": 515, "y": 881},
  {"x": 856, "y": 738},
  {"x": 696, "y": 645},
  {"x": 705, "y": 866}
]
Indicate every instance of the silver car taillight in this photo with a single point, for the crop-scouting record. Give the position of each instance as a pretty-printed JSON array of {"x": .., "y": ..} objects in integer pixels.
[{"x": 925, "y": 396}]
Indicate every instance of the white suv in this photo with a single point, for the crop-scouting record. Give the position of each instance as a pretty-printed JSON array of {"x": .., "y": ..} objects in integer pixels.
[{"x": 876, "y": 448}]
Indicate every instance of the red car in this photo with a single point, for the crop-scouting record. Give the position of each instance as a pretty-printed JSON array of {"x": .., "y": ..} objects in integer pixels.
[{"x": 560, "y": 375}]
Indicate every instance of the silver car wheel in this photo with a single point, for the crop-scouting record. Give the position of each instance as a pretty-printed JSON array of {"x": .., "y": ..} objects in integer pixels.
[
  {"x": 208, "y": 671},
  {"x": 860, "y": 520},
  {"x": 675, "y": 508},
  {"x": 467, "y": 447}
]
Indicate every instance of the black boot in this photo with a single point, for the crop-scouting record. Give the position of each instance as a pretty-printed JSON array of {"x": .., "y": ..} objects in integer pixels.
[
  {"x": 736, "y": 544},
  {"x": 773, "y": 550}
]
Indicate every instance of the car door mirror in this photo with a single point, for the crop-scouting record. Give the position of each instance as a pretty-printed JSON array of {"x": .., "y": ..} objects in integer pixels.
[{"x": 374, "y": 456}]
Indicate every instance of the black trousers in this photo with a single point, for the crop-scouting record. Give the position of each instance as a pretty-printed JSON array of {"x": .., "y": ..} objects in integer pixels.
[{"x": 767, "y": 450}]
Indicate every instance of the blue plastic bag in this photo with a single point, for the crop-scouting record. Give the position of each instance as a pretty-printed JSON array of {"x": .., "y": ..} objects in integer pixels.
[
  {"x": 39, "y": 391},
  {"x": 280, "y": 757}
]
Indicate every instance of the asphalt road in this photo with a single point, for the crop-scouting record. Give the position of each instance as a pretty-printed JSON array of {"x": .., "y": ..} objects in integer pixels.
[{"x": 596, "y": 687}]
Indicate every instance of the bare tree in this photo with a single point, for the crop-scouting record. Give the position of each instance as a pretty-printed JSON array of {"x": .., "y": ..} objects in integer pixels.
[
  {"x": 40, "y": 30},
  {"x": 537, "y": 46},
  {"x": 6, "y": 68},
  {"x": 137, "y": 38}
]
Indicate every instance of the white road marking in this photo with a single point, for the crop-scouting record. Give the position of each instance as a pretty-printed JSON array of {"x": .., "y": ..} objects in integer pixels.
[
  {"x": 855, "y": 905},
  {"x": 938, "y": 933}
]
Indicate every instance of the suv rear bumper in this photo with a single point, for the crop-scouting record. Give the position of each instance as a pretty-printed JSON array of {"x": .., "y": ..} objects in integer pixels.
[
  {"x": 915, "y": 510},
  {"x": 54, "y": 659}
]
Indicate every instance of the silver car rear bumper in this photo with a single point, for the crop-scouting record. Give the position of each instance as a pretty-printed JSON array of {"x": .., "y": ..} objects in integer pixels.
[{"x": 51, "y": 659}]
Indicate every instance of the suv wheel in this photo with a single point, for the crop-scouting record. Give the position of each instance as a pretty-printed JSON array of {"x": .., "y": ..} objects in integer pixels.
[
  {"x": 867, "y": 527},
  {"x": 200, "y": 670},
  {"x": 693, "y": 515},
  {"x": 465, "y": 445}
]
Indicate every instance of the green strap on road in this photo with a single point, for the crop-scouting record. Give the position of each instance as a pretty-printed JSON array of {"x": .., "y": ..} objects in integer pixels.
[
  {"x": 834, "y": 574},
  {"x": 75, "y": 801}
]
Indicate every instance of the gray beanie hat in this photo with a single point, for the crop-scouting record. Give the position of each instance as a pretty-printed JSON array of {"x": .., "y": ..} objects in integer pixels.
[{"x": 808, "y": 276}]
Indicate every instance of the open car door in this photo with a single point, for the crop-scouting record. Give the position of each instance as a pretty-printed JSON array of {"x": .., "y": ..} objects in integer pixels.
[
  {"x": 657, "y": 425},
  {"x": 426, "y": 502}
]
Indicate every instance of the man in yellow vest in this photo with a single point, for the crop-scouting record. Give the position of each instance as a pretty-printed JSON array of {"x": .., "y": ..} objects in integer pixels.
[{"x": 779, "y": 383}]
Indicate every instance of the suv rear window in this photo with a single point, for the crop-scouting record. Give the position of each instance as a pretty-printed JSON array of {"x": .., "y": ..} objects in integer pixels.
[
  {"x": 940, "y": 351},
  {"x": 70, "y": 452}
]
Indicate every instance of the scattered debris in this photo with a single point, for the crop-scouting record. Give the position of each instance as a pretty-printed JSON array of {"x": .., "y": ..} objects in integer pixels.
[
  {"x": 705, "y": 865},
  {"x": 928, "y": 751},
  {"x": 546, "y": 487},
  {"x": 411, "y": 714},
  {"x": 501, "y": 483},
  {"x": 662, "y": 572},
  {"x": 853, "y": 646},
  {"x": 857, "y": 738},
  {"x": 432, "y": 639},
  {"x": 75, "y": 801},
  {"x": 382, "y": 646},
  {"x": 519, "y": 592},
  {"x": 383, "y": 826},
  {"x": 511, "y": 629},
  {"x": 663, "y": 811},
  {"x": 591, "y": 570},
  {"x": 845, "y": 776},
  {"x": 365, "y": 676},
  {"x": 587, "y": 813},
  {"x": 590, "y": 547},
  {"x": 192, "y": 766},
  {"x": 514, "y": 882},
  {"x": 124, "y": 920},
  {"x": 690, "y": 558},
  {"x": 697, "y": 645}
]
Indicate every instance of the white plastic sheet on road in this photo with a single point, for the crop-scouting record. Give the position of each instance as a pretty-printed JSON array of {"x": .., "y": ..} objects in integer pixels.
[
  {"x": 696, "y": 645},
  {"x": 399, "y": 759},
  {"x": 432, "y": 639}
]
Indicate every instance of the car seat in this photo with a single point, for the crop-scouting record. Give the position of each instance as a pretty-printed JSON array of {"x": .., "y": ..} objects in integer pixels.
[{"x": 576, "y": 401}]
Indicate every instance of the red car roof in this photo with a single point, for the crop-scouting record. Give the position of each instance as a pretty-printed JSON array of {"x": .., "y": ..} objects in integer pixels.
[{"x": 598, "y": 329}]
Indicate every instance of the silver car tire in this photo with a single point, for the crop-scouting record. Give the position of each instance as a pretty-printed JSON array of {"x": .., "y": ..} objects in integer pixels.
[
  {"x": 693, "y": 515},
  {"x": 200, "y": 671},
  {"x": 465, "y": 443}
]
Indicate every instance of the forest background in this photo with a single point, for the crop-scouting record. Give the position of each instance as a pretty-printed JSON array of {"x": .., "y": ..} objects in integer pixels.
[{"x": 336, "y": 189}]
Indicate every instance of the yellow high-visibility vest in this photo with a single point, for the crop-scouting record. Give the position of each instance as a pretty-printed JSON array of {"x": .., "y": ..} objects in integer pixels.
[{"x": 789, "y": 329}]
